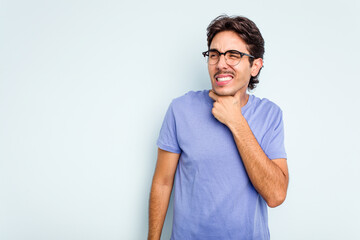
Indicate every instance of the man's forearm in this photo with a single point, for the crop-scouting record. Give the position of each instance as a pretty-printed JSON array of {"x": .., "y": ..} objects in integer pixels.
[
  {"x": 158, "y": 205},
  {"x": 267, "y": 177}
]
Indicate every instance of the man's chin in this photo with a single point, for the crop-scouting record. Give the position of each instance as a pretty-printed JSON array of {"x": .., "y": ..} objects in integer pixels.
[{"x": 223, "y": 92}]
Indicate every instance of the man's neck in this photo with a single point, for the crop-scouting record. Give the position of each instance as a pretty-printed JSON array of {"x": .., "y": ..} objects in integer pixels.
[{"x": 244, "y": 99}]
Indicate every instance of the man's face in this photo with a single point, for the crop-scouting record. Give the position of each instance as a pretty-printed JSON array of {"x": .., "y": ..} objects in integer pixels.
[{"x": 226, "y": 79}]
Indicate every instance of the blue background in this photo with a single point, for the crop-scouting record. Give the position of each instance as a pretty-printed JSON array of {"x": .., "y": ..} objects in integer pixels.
[{"x": 84, "y": 87}]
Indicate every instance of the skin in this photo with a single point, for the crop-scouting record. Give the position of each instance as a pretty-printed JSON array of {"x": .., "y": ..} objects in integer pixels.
[
  {"x": 240, "y": 73},
  {"x": 269, "y": 177},
  {"x": 161, "y": 188}
]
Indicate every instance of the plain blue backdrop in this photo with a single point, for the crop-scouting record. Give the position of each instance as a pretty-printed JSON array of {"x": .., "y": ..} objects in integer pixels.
[{"x": 84, "y": 86}]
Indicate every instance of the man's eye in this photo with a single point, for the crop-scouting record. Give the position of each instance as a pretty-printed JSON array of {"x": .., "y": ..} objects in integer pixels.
[
  {"x": 234, "y": 56},
  {"x": 213, "y": 55}
]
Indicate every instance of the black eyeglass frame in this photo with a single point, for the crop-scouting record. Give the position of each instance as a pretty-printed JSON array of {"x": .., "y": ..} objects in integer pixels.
[{"x": 206, "y": 54}]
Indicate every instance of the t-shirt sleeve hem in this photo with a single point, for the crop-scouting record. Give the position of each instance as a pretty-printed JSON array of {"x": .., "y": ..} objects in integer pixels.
[
  {"x": 277, "y": 155},
  {"x": 168, "y": 148}
]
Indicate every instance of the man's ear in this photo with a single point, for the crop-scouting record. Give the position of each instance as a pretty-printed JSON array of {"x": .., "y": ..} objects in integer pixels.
[{"x": 256, "y": 66}]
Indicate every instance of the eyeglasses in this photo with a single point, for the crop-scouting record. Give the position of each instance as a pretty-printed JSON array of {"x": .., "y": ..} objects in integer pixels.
[{"x": 232, "y": 57}]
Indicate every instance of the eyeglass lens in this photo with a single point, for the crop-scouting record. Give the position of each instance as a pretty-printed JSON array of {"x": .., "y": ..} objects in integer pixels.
[{"x": 231, "y": 57}]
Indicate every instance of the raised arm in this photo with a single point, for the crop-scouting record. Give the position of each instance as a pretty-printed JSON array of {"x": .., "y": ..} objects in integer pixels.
[
  {"x": 161, "y": 187},
  {"x": 269, "y": 177}
]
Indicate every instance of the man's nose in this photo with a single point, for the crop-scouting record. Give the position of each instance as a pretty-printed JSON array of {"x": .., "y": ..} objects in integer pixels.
[{"x": 222, "y": 62}]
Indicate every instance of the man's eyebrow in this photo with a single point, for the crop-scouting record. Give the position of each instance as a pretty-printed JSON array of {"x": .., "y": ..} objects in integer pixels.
[{"x": 214, "y": 49}]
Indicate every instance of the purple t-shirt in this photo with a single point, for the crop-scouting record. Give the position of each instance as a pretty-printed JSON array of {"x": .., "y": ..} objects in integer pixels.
[{"x": 213, "y": 195}]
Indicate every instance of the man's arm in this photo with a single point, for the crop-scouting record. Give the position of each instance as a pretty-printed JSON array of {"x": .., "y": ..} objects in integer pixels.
[
  {"x": 161, "y": 187},
  {"x": 269, "y": 177}
]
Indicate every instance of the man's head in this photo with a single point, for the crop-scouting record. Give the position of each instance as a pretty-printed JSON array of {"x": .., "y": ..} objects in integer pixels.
[{"x": 242, "y": 35}]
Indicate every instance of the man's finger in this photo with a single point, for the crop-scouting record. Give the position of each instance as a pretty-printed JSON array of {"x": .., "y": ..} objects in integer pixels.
[{"x": 213, "y": 95}]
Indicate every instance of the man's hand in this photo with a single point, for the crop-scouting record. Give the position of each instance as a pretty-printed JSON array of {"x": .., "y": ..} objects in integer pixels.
[
  {"x": 227, "y": 109},
  {"x": 269, "y": 177}
]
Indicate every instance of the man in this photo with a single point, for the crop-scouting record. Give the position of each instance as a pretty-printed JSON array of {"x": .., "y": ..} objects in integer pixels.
[{"x": 223, "y": 148}]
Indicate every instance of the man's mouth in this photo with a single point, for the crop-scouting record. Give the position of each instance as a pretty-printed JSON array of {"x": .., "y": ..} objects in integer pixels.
[{"x": 223, "y": 79}]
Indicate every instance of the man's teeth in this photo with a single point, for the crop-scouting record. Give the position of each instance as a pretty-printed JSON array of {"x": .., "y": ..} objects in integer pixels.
[{"x": 224, "y": 79}]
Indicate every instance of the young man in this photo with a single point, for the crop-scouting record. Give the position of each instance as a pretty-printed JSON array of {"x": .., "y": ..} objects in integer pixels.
[{"x": 223, "y": 148}]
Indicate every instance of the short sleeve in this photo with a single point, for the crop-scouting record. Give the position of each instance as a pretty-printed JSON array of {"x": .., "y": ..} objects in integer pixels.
[
  {"x": 168, "y": 137},
  {"x": 276, "y": 147}
]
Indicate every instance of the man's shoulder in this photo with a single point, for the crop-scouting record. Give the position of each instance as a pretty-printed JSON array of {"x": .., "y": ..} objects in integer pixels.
[
  {"x": 264, "y": 111},
  {"x": 264, "y": 104},
  {"x": 191, "y": 98}
]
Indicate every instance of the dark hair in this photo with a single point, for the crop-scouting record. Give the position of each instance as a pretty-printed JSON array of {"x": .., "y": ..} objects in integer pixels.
[{"x": 248, "y": 32}]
